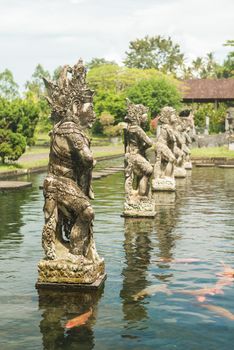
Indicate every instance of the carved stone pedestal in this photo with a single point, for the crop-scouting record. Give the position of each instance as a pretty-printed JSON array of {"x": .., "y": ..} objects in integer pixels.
[
  {"x": 65, "y": 271},
  {"x": 188, "y": 165},
  {"x": 143, "y": 208},
  {"x": 164, "y": 184},
  {"x": 70, "y": 286},
  {"x": 180, "y": 172}
]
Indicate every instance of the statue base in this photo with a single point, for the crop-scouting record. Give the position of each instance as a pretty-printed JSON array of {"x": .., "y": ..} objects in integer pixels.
[
  {"x": 61, "y": 271},
  {"x": 188, "y": 165},
  {"x": 73, "y": 286},
  {"x": 179, "y": 172},
  {"x": 164, "y": 184},
  {"x": 140, "y": 208}
]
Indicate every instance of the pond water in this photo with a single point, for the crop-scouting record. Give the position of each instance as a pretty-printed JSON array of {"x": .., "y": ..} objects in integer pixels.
[{"x": 198, "y": 224}]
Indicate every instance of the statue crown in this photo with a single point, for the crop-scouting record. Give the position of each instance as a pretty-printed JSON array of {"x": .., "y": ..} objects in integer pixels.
[{"x": 70, "y": 88}]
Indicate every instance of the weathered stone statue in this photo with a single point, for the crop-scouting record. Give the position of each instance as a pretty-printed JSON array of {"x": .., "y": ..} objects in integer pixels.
[
  {"x": 188, "y": 141},
  {"x": 163, "y": 175},
  {"x": 67, "y": 238},
  {"x": 187, "y": 120},
  {"x": 180, "y": 149},
  {"x": 138, "y": 170}
]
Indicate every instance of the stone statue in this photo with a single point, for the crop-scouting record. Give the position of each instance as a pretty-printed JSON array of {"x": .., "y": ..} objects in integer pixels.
[
  {"x": 187, "y": 120},
  {"x": 67, "y": 238},
  {"x": 138, "y": 169},
  {"x": 163, "y": 175},
  {"x": 180, "y": 149}
]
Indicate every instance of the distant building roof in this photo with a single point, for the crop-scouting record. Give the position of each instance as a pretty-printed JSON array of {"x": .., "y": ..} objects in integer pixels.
[{"x": 208, "y": 90}]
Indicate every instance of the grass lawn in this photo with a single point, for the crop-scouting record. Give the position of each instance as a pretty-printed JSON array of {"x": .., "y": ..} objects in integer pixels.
[
  {"x": 212, "y": 152},
  {"x": 38, "y": 157}
]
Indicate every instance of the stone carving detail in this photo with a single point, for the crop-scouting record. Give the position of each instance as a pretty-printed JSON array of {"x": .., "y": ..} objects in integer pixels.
[
  {"x": 163, "y": 175},
  {"x": 188, "y": 141},
  {"x": 180, "y": 149},
  {"x": 67, "y": 238},
  {"x": 138, "y": 169}
]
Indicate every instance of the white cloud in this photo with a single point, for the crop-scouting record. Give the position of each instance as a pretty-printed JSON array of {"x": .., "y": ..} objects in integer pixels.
[{"x": 55, "y": 32}]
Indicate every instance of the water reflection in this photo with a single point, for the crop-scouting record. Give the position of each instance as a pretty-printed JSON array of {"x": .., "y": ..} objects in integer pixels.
[
  {"x": 137, "y": 247},
  {"x": 147, "y": 243},
  {"x": 11, "y": 215},
  {"x": 165, "y": 223},
  {"x": 60, "y": 306}
]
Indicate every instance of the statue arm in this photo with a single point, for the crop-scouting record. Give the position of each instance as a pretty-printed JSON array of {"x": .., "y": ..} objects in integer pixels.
[
  {"x": 145, "y": 139},
  {"x": 83, "y": 153},
  {"x": 82, "y": 150},
  {"x": 188, "y": 138}
]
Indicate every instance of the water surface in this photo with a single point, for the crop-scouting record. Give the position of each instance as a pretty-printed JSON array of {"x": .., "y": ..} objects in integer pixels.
[{"x": 197, "y": 223}]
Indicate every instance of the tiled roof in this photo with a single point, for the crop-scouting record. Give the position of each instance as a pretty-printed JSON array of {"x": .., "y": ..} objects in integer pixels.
[{"x": 208, "y": 89}]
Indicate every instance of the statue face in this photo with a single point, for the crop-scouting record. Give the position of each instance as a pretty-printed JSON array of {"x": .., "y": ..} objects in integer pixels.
[
  {"x": 173, "y": 117},
  {"x": 144, "y": 118},
  {"x": 86, "y": 115}
]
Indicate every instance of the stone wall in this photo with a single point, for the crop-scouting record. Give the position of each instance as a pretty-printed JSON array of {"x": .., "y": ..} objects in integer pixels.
[{"x": 210, "y": 140}]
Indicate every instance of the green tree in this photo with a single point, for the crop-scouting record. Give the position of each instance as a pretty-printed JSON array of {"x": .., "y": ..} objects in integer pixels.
[
  {"x": 154, "y": 52},
  {"x": 202, "y": 68},
  {"x": 156, "y": 93},
  {"x": 97, "y": 62},
  {"x": 8, "y": 87},
  {"x": 111, "y": 83},
  {"x": 12, "y": 145},
  {"x": 36, "y": 85},
  {"x": 227, "y": 69},
  {"x": 35, "y": 91},
  {"x": 19, "y": 116},
  {"x": 112, "y": 102}
]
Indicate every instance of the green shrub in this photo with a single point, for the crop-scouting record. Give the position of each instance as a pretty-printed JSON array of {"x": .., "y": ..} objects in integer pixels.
[{"x": 12, "y": 145}]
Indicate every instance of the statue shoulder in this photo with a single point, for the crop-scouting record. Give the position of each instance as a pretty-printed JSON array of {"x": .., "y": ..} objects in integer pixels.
[{"x": 73, "y": 133}]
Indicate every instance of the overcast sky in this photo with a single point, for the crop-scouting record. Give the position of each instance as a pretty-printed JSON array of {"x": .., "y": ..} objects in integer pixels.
[{"x": 58, "y": 32}]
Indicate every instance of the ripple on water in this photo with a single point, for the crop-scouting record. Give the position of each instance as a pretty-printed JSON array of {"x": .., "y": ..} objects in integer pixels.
[{"x": 199, "y": 225}]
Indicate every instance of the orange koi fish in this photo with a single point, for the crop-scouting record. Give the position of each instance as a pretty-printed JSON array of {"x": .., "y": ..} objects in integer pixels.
[
  {"x": 200, "y": 294},
  {"x": 220, "y": 311},
  {"x": 79, "y": 320},
  {"x": 151, "y": 290},
  {"x": 228, "y": 271}
]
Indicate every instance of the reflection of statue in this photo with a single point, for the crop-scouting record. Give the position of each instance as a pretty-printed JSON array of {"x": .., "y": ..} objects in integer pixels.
[
  {"x": 137, "y": 168},
  {"x": 163, "y": 178},
  {"x": 67, "y": 238},
  {"x": 137, "y": 247},
  {"x": 165, "y": 224},
  {"x": 58, "y": 307}
]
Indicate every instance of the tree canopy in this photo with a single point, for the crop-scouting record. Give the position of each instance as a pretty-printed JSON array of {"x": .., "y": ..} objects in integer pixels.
[
  {"x": 8, "y": 87},
  {"x": 19, "y": 116},
  {"x": 154, "y": 52},
  {"x": 156, "y": 93}
]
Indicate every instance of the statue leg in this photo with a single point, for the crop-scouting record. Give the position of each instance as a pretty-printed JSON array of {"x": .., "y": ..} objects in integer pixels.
[
  {"x": 157, "y": 171},
  {"x": 143, "y": 186},
  {"x": 81, "y": 232},
  {"x": 143, "y": 170},
  {"x": 169, "y": 169}
]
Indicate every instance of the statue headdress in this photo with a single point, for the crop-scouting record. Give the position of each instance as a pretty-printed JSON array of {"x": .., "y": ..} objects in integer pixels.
[
  {"x": 135, "y": 111},
  {"x": 165, "y": 114},
  {"x": 70, "y": 88}
]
